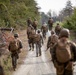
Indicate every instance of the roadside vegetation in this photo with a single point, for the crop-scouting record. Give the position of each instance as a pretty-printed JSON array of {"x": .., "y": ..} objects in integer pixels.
[{"x": 14, "y": 13}]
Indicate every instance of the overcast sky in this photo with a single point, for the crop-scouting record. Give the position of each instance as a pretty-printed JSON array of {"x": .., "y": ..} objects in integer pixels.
[{"x": 54, "y": 5}]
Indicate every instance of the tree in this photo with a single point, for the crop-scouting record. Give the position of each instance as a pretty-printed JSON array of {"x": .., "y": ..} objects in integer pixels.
[
  {"x": 68, "y": 9},
  {"x": 49, "y": 13},
  {"x": 14, "y": 13}
]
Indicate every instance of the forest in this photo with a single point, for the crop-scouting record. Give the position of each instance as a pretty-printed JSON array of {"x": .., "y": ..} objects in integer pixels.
[
  {"x": 14, "y": 13},
  {"x": 67, "y": 16}
]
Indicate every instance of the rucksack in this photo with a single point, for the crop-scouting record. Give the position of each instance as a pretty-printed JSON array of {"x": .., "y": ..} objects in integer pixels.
[
  {"x": 37, "y": 37},
  {"x": 14, "y": 45},
  {"x": 63, "y": 52},
  {"x": 28, "y": 30},
  {"x": 50, "y": 21},
  {"x": 58, "y": 28},
  {"x": 54, "y": 38},
  {"x": 32, "y": 34}
]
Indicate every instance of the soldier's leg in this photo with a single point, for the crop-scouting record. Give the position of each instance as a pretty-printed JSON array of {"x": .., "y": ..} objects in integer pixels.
[
  {"x": 49, "y": 27},
  {"x": 36, "y": 50},
  {"x": 69, "y": 68},
  {"x": 32, "y": 46},
  {"x": 59, "y": 69},
  {"x": 29, "y": 41},
  {"x": 51, "y": 53},
  {"x": 44, "y": 34},
  {"x": 68, "y": 72},
  {"x": 39, "y": 49}
]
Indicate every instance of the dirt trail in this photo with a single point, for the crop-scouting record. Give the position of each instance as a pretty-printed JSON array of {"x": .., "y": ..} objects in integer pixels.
[{"x": 23, "y": 38}]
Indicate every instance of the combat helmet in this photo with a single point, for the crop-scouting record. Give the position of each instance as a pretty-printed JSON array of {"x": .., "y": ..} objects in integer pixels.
[
  {"x": 16, "y": 35},
  {"x": 52, "y": 32},
  {"x": 64, "y": 33},
  {"x": 38, "y": 31}
]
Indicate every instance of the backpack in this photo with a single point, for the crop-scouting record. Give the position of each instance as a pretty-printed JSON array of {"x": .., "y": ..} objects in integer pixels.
[
  {"x": 54, "y": 38},
  {"x": 28, "y": 30},
  {"x": 50, "y": 21},
  {"x": 14, "y": 45},
  {"x": 63, "y": 52},
  {"x": 32, "y": 34},
  {"x": 58, "y": 28},
  {"x": 37, "y": 37}
]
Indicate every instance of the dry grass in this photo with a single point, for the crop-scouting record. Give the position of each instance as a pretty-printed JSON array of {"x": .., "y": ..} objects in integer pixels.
[{"x": 6, "y": 59}]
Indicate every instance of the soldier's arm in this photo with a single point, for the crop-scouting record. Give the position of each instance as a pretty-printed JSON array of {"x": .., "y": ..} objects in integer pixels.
[
  {"x": 42, "y": 40},
  {"x": 20, "y": 44},
  {"x": 41, "y": 29},
  {"x": 48, "y": 42},
  {"x": 73, "y": 48},
  {"x": 9, "y": 47},
  {"x": 54, "y": 53}
]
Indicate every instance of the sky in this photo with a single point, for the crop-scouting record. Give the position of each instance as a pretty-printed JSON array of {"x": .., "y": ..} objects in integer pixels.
[{"x": 54, "y": 5}]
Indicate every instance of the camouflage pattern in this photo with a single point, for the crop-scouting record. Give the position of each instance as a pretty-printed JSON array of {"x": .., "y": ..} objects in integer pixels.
[
  {"x": 29, "y": 31},
  {"x": 51, "y": 42},
  {"x": 64, "y": 68},
  {"x": 58, "y": 29},
  {"x": 44, "y": 29},
  {"x": 64, "y": 32},
  {"x": 29, "y": 22},
  {"x": 67, "y": 67},
  {"x": 38, "y": 42},
  {"x": 31, "y": 34},
  {"x": 35, "y": 24},
  {"x": 50, "y": 23}
]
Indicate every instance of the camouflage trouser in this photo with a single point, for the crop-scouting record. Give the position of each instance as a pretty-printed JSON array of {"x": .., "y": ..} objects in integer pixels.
[
  {"x": 50, "y": 27},
  {"x": 44, "y": 34},
  {"x": 31, "y": 43},
  {"x": 38, "y": 48},
  {"x": 64, "y": 69},
  {"x": 15, "y": 54},
  {"x": 51, "y": 52}
]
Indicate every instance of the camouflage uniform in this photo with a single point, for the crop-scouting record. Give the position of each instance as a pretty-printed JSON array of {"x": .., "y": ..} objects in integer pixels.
[
  {"x": 16, "y": 52},
  {"x": 29, "y": 22},
  {"x": 38, "y": 42},
  {"x": 51, "y": 43},
  {"x": 35, "y": 24},
  {"x": 50, "y": 23},
  {"x": 65, "y": 68},
  {"x": 58, "y": 29},
  {"x": 30, "y": 34},
  {"x": 44, "y": 29}
]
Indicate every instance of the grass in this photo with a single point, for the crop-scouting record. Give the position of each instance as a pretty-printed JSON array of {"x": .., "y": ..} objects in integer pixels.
[{"x": 6, "y": 64}]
